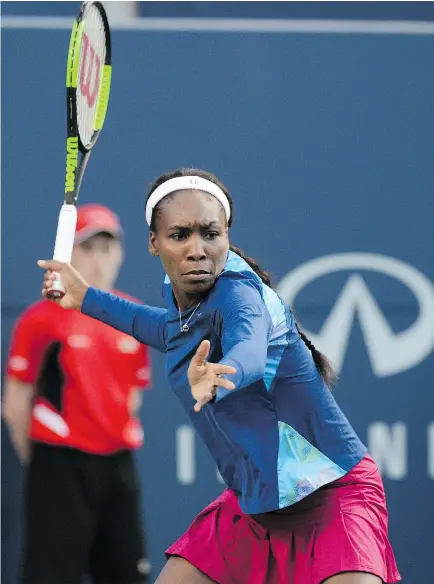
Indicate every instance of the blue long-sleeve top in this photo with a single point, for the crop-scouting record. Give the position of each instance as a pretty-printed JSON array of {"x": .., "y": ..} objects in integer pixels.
[{"x": 279, "y": 435}]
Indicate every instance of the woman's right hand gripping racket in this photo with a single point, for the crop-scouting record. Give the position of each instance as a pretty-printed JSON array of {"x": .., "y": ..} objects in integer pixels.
[{"x": 88, "y": 78}]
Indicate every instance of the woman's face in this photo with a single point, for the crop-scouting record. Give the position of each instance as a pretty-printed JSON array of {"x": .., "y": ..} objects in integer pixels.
[{"x": 191, "y": 239}]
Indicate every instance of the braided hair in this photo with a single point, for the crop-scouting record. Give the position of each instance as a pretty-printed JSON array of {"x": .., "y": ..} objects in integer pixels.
[{"x": 322, "y": 363}]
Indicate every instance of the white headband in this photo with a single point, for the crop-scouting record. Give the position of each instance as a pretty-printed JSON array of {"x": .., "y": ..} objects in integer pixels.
[{"x": 181, "y": 183}]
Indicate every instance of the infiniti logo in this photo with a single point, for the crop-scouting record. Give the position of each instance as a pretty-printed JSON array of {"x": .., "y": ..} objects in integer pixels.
[{"x": 389, "y": 352}]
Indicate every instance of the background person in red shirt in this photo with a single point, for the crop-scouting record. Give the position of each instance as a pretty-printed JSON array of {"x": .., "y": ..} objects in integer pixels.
[{"x": 72, "y": 392}]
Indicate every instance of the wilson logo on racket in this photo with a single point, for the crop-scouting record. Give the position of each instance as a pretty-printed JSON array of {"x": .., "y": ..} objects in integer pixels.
[
  {"x": 86, "y": 72},
  {"x": 71, "y": 162}
]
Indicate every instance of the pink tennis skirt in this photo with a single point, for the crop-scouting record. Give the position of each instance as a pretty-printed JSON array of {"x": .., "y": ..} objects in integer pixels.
[{"x": 342, "y": 527}]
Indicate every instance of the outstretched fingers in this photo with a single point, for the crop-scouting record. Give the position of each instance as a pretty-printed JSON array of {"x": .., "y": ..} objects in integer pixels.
[
  {"x": 222, "y": 369},
  {"x": 53, "y": 265},
  {"x": 201, "y": 354},
  {"x": 203, "y": 401},
  {"x": 217, "y": 381},
  {"x": 223, "y": 382}
]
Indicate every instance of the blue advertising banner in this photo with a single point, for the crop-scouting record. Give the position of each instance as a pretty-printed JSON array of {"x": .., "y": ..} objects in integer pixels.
[{"x": 326, "y": 142}]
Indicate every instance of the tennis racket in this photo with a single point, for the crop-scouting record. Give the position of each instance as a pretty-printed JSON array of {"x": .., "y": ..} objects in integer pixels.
[{"x": 88, "y": 77}]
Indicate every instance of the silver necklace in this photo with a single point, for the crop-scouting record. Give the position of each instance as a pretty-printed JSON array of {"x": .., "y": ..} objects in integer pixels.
[{"x": 184, "y": 327}]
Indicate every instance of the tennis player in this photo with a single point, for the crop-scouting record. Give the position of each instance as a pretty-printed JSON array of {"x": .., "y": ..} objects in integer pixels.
[
  {"x": 72, "y": 395},
  {"x": 305, "y": 503}
]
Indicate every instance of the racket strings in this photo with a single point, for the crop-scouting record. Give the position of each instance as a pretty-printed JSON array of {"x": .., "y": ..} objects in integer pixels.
[{"x": 90, "y": 71}]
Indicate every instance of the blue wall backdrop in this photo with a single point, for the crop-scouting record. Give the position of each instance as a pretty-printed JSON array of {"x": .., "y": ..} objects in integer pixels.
[
  {"x": 419, "y": 11},
  {"x": 326, "y": 142}
]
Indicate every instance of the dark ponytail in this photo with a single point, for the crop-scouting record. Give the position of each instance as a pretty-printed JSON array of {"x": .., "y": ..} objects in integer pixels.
[
  {"x": 323, "y": 364},
  {"x": 265, "y": 276}
]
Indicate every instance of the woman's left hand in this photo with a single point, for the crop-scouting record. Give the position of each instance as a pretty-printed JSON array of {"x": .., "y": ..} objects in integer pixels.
[{"x": 204, "y": 377}]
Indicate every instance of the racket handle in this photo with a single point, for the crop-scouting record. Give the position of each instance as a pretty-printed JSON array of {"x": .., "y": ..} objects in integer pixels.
[{"x": 64, "y": 245}]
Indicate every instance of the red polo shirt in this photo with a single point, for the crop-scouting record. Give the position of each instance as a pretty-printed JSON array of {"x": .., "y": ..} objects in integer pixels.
[{"x": 84, "y": 372}]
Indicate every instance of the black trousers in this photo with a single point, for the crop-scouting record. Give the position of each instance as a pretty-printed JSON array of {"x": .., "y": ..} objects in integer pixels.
[{"x": 82, "y": 518}]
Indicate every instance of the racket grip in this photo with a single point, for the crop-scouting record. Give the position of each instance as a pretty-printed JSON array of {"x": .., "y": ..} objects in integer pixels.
[{"x": 64, "y": 244}]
